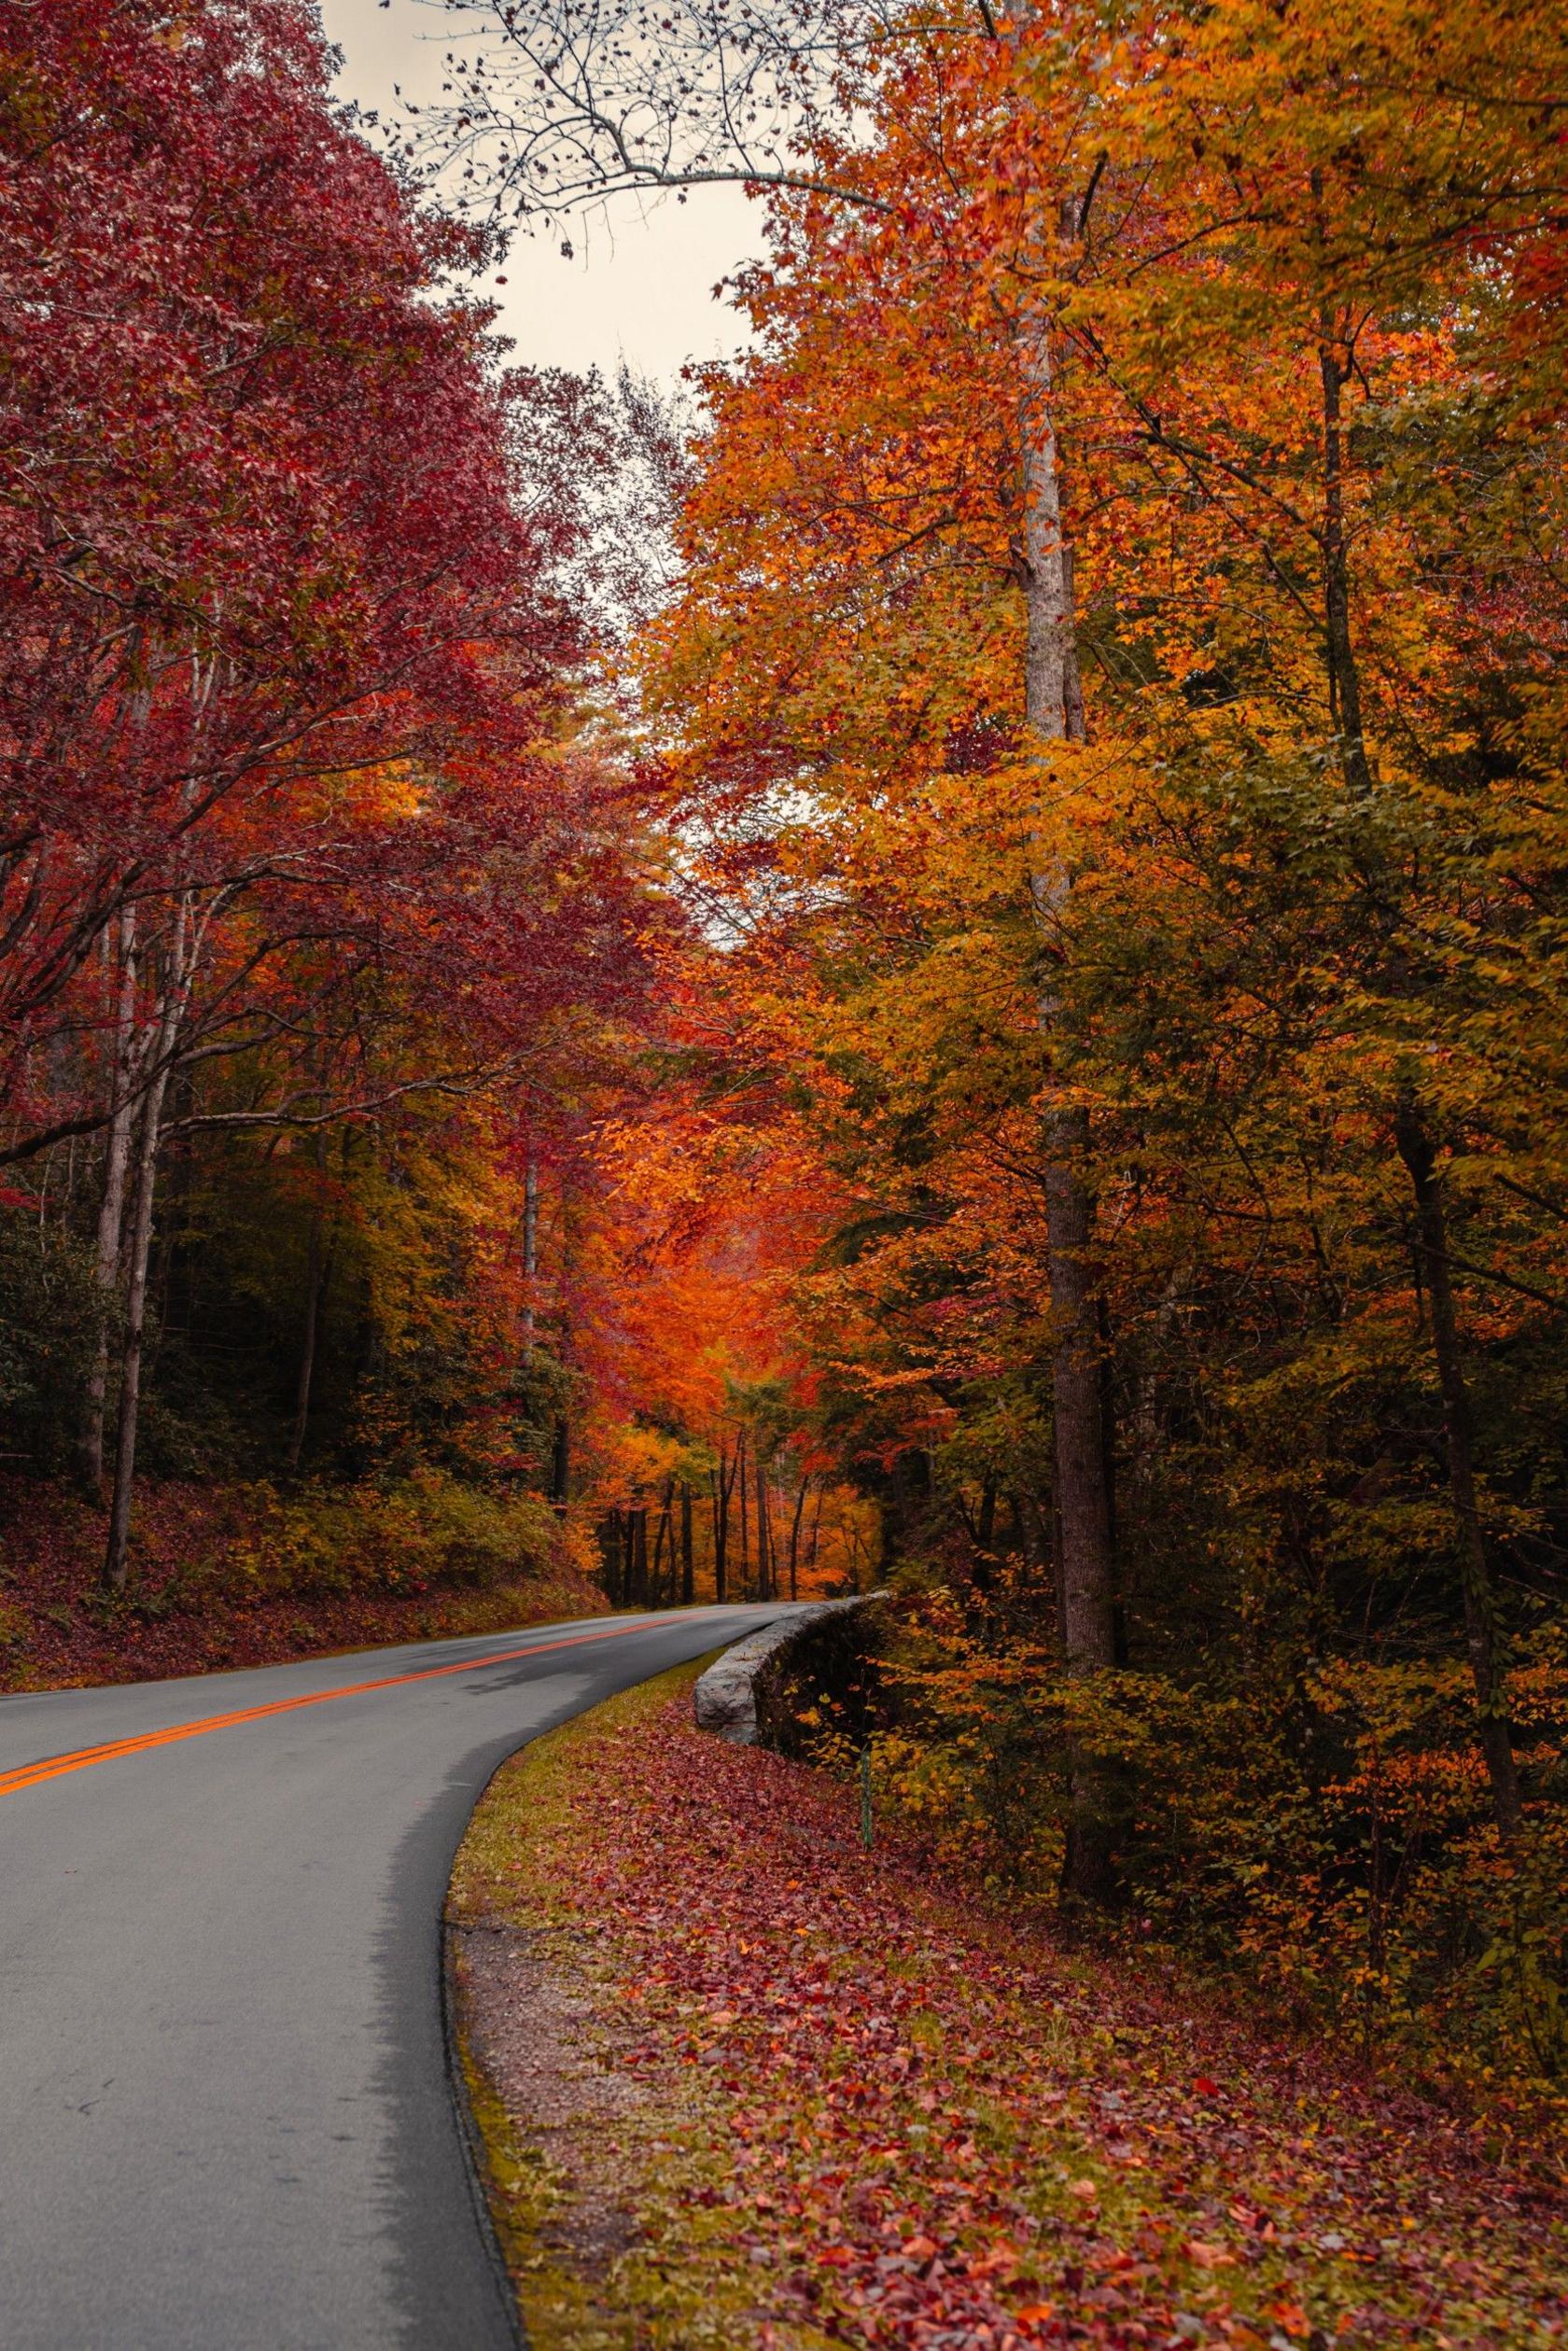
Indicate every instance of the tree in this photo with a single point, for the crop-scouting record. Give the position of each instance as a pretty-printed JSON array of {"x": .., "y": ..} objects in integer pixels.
[
  {"x": 288, "y": 634},
  {"x": 1280, "y": 354}
]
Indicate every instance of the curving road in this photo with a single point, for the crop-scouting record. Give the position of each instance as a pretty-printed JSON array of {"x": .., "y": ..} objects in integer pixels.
[{"x": 225, "y": 2120}]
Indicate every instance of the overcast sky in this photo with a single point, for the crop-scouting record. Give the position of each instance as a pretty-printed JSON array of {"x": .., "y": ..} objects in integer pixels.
[{"x": 643, "y": 288}]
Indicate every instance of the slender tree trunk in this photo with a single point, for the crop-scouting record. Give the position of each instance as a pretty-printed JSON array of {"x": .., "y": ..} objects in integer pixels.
[
  {"x": 316, "y": 1284},
  {"x": 639, "y": 1541},
  {"x": 1035, "y": 1528},
  {"x": 307, "y": 1346},
  {"x": 1054, "y": 712},
  {"x": 1054, "y": 705},
  {"x": 764, "y": 1531},
  {"x": 744, "y": 1529},
  {"x": 178, "y": 972},
  {"x": 530, "y": 1248},
  {"x": 687, "y": 1554},
  {"x": 1344, "y": 677},
  {"x": 985, "y": 1532},
  {"x": 795, "y": 1536},
  {"x": 662, "y": 1540},
  {"x": 116, "y": 1553},
  {"x": 1082, "y": 1499},
  {"x": 1480, "y": 1613},
  {"x": 721, "y": 1528},
  {"x": 111, "y": 1210},
  {"x": 560, "y": 1465}
]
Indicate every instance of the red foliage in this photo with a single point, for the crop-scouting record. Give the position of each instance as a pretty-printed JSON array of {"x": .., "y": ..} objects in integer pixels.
[
  {"x": 272, "y": 521},
  {"x": 944, "y": 2130}
]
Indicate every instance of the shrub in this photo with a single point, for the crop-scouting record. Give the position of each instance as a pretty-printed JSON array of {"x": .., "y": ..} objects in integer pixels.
[
  {"x": 424, "y": 1530},
  {"x": 1328, "y": 1838}
]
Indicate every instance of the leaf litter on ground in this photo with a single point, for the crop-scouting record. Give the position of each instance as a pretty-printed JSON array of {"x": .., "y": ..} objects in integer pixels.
[{"x": 893, "y": 2114}]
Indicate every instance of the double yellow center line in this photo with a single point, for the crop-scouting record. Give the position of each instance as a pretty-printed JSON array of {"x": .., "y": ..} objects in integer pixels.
[{"x": 81, "y": 1758}]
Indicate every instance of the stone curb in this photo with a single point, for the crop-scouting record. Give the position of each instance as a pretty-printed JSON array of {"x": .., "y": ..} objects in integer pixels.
[{"x": 724, "y": 1700}]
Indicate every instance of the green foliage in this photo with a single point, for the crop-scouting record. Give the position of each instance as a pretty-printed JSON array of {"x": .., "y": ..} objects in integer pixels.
[
  {"x": 407, "y": 1536},
  {"x": 51, "y": 1315}
]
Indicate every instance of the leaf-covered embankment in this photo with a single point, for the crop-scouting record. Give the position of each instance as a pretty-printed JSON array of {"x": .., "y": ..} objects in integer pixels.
[
  {"x": 240, "y": 1574},
  {"x": 793, "y": 2094}
]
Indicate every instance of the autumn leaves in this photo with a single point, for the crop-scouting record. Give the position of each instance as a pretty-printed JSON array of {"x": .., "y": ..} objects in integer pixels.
[{"x": 298, "y": 877}]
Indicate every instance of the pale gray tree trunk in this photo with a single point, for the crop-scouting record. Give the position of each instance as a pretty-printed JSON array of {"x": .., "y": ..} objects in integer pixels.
[
  {"x": 140, "y": 1243},
  {"x": 1054, "y": 707},
  {"x": 179, "y": 971},
  {"x": 111, "y": 1210}
]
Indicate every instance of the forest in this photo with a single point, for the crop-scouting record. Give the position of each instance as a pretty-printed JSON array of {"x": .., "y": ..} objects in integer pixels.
[{"x": 937, "y": 964}]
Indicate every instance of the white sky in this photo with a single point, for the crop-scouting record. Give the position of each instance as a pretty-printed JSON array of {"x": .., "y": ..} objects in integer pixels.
[{"x": 641, "y": 288}]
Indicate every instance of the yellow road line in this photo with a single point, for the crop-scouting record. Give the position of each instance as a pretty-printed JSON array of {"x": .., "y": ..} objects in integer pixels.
[{"x": 81, "y": 1758}]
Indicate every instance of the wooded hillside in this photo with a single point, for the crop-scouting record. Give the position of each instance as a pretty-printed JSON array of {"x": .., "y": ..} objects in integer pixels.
[{"x": 1012, "y": 1043}]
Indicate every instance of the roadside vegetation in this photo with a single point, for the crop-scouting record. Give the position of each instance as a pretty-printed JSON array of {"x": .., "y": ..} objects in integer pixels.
[
  {"x": 941, "y": 962},
  {"x": 1110, "y": 695},
  {"x": 227, "y": 1577},
  {"x": 741, "y": 2083}
]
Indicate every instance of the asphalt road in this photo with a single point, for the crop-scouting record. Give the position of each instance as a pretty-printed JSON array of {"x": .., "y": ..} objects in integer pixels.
[{"x": 226, "y": 2118}]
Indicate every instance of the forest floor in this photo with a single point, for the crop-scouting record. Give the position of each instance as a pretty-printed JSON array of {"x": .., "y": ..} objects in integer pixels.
[
  {"x": 741, "y": 2084},
  {"x": 185, "y": 1611}
]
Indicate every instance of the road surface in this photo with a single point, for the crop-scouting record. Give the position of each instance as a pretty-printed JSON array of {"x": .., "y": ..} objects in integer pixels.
[{"x": 226, "y": 2118}]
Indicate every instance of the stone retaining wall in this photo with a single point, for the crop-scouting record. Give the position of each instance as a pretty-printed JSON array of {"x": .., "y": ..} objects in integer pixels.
[{"x": 731, "y": 1698}]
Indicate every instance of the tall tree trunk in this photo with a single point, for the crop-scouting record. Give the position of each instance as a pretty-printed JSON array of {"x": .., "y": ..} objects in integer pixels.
[
  {"x": 1082, "y": 1499},
  {"x": 316, "y": 1284},
  {"x": 744, "y": 1529},
  {"x": 639, "y": 1542},
  {"x": 688, "y": 1553},
  {"x": 530, "y": 1248},
  {"x": 665, "y": 1537},
  {"x": 764, "y": 1531},
  {"x": 111, "y": 1210},
  {"x": 1344, "y": 677},
  {"x": 116, "y": 1555},
  {"x": 721, "y": 1528},
  {"x": 180, "y": 965},
  {"x": 1481, "y": 1614},
  {"x": 560, "y": 1465},
  {"x": 984, "y": 1533},
  {"x": 1054, "y": 707},
  {"x": 795, "y": 1536}
]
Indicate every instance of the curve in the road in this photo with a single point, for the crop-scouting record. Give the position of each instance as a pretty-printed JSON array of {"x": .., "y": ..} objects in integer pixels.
[
  {"x": 51, "y": 1767},
  {"x": 226, "y": 2117}
]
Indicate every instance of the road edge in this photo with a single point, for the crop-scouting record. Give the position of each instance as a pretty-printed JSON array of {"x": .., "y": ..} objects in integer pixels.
[
  {"x": 458, "y": 2059},
  {"x": 485, "y": 2162}
]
